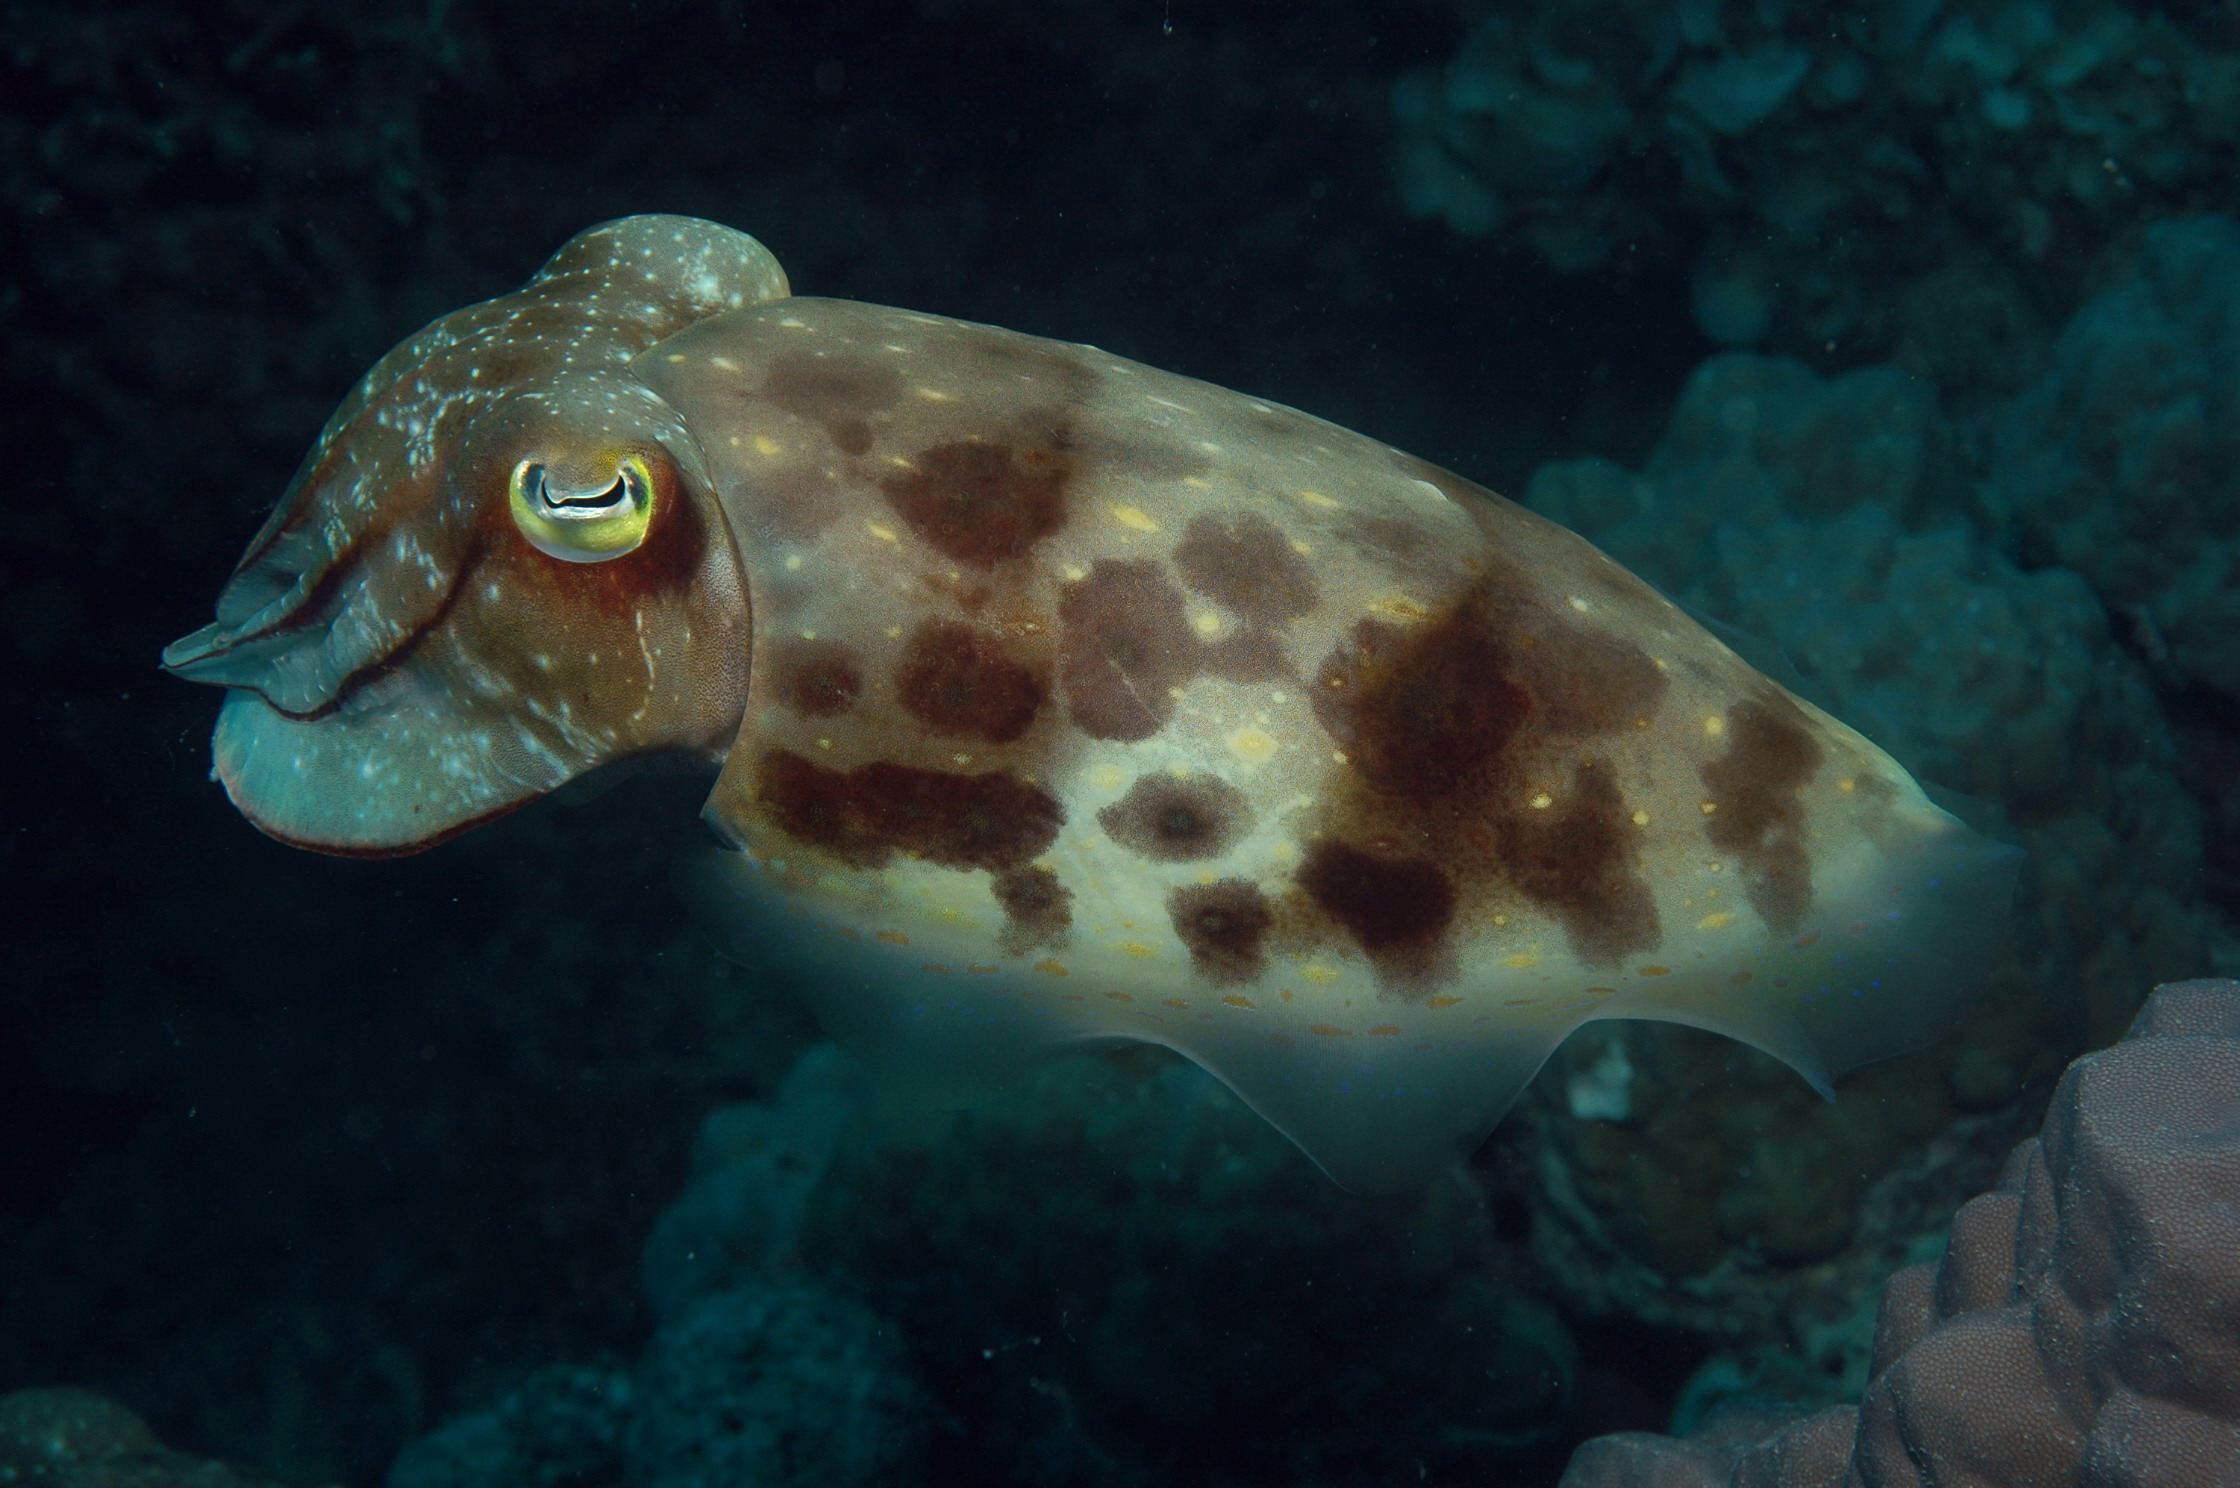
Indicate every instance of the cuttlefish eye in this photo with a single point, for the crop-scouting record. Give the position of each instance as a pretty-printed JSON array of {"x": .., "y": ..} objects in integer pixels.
[{"x": 582, "y": 523}]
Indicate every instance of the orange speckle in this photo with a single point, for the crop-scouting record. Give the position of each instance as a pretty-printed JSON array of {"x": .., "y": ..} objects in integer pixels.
[
  {"x": 1235, "y": 1001},
  {"x": 1803, "y": 941},
  {"x": 1740, "y": 976},
  {"x": 847, "y": 934},
  {"x": 1602, "y": 991},
  {"x": 1119, "y": 997},
  {"x": 893, "y": 937},
  {"x": 1328, "y": 1030},
  {"x": 1859, "y": 929},
  {"x": 1446, "y": 1002},
  {"x": 1174, "y": 1002},
  {"x": 935, "y": 967},
  {"x": 1385, "y": 1030},
  {"x": 1656, "y": 970},
  {"x": 1281, "y": 1040},
  {"x": 1051, "y": 967}
]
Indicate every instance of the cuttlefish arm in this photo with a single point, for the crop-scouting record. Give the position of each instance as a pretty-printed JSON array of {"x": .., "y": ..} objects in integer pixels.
[{"x": 501, "y": 565}]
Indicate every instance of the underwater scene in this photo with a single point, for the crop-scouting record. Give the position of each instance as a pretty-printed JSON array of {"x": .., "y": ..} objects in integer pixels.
[{"x": 1107, "y": 743}]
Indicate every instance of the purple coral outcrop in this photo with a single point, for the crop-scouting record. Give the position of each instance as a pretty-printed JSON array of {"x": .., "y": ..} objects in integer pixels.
[{"x": 2083, "y": 1328}]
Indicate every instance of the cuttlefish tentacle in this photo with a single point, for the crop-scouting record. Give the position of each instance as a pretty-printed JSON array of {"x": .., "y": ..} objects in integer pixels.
[{"x": 1080, "y": 703}]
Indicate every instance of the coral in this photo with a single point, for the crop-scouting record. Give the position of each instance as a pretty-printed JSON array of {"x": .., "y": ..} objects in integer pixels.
[
  {"x": 1850, "y": 178},
  {"x": 754, "y": 1166},
  {"x": 2083, "y": 1326},
  {"x": 561, "y": 1426},
  {"x": 760, "y": 1386},
  {"x": 756, "y": 1377},
  {"x": 766, "y": 1386},
  {"x": 1147, "y": 1272},
  {"x": 2123, "y": 462},
  {"x": 77, "y": 1439},
  {"x": 1083, "y": 1239}
]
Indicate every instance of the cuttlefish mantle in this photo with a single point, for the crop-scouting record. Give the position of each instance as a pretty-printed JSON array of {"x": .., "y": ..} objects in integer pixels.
[{"x": 1061, "y": 701}]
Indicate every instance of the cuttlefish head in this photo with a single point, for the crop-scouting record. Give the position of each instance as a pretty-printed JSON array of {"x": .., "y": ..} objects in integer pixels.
[{"x": 501, "y": 566}]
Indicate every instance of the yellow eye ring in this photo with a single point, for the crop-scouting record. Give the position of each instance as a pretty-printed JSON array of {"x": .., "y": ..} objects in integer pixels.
[{"x": 582, "y": 525}]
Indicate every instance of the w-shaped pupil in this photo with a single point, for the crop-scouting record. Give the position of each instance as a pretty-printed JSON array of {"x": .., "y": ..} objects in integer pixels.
[{"x": 611, "y": 496}]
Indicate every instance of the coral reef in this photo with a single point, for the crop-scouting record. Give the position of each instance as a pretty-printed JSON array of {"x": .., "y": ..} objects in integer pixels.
[
  {"x": 754, "y": 1167},
  {"x": 1073, "y": 1242},
  {"x": 2123, "y": 462},
  {"x": 1150, "y": 1273},
  {"x": 59, "y": 1438},
  {"x": 2083, "y": 1326},
  {"x": 1808, "y": 510},
  {"x": 1909, "y": 176},
  {"x": 758, "y": 1386},
  {"x": 777, "y": 1385},
  {"x": 756, "y": 1377},
  {"x": 563, "y": 1425}
]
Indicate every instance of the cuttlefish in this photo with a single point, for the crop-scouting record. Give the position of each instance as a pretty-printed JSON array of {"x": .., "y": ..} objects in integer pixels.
[{"x": 1055, "y": 701}]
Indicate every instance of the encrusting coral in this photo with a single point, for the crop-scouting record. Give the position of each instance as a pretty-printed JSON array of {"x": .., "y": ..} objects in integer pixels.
[
  {"x": 1899, "y": 177},
  {"x": 2123, "y": 462},
  {"x": 2083, "y": 1326}
]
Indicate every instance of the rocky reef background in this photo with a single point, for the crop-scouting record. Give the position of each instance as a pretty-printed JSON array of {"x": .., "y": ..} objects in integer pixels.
[{"x": 1906, "y": 338}]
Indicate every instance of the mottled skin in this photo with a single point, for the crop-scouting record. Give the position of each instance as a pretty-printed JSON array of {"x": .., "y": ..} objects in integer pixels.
[{"x": 1059, "y": 699}]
